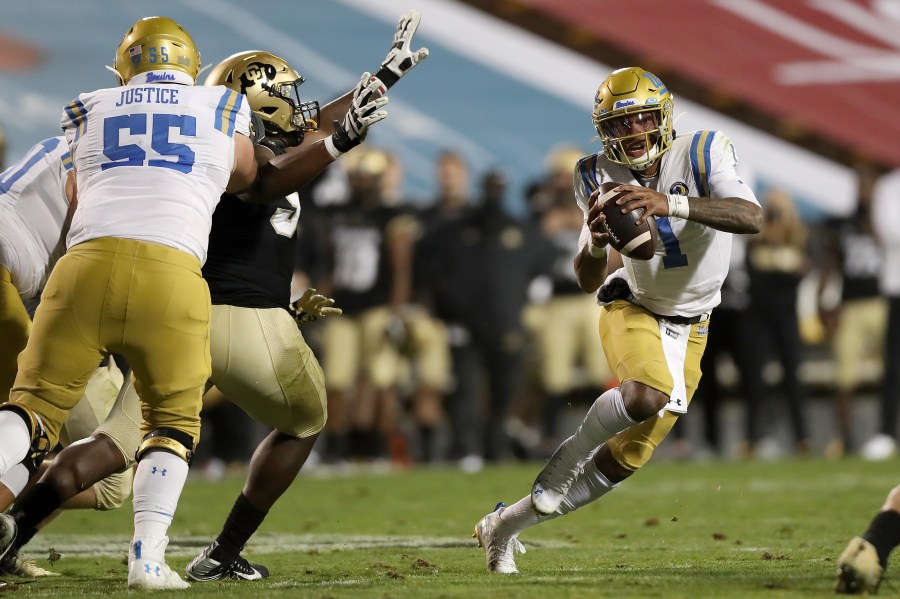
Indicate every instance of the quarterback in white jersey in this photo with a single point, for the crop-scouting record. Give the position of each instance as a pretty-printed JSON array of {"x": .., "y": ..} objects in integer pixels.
[
  {"x": 685, "y": 276},
  {"x": 151, "y": 160},
  {"x": 654, "y": 314}
]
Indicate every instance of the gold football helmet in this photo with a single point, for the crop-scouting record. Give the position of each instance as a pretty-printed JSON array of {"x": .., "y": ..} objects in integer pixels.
[
  {"x": 625, "y": 93},
  {"x": 272, "y": 88},
  {"x": 156, "y": 43}
]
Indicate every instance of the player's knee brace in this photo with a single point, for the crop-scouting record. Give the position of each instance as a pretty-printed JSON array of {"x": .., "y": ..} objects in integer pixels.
[
  {"x": 167, "y": 439},
  {"x": 114, "y": 490},
  {"x": 40, "y": 443}
]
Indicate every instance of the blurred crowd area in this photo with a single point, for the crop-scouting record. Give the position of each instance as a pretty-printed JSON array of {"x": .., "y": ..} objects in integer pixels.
[{"x": 466, "y": 340}]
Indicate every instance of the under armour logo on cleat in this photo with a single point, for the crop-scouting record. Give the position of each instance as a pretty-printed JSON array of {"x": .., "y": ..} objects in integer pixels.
[{"x": 537, "y": 491}]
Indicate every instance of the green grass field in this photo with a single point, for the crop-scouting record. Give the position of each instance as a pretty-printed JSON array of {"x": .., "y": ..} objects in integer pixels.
[{"x": 722, "y": 529}]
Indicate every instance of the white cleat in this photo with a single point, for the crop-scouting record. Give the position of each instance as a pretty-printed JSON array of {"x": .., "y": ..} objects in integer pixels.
[
  {"x": 879, "y": 448},
  {"x": 147, "y": 568},
  {"x": 553, "y": 483},
  {"x": 859, "y": 571},
  {"x": 24, "y": 568},
  {"x": 499, "y": 551}
]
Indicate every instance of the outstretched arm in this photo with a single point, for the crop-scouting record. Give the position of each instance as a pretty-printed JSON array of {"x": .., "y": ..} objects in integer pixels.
[
  {"x": 399, "y": 61},
  {"x": 295, "y": 168}
]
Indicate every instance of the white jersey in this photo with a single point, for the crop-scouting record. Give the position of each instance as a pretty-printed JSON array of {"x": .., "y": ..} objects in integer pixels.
[
  {"x": 685, "y": 276},
  {"x": 152, "y": 159},
  {"x": 33, "y": 208}
]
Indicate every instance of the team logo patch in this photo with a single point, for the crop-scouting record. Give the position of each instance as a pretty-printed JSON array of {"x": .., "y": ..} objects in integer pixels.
[
  {"x": 679, "y": 188},
  {"x": 135, "y": 53},
  {"x": 702, "y": 330},
  {"x": 624, "y": 103}
]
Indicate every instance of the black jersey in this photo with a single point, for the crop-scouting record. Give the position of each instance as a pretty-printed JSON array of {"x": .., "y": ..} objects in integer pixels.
[
  {"x": 358, "y": 248},
  {"x": 250, "y": 261}
]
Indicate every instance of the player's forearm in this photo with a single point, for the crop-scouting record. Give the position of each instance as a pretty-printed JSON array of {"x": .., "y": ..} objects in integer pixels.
[
  {"x": 287, "y": 173},
  {"x": 590, "y": 271},
  {"x": 732, "y": 215},
  {"x": 328, "y": 114}
]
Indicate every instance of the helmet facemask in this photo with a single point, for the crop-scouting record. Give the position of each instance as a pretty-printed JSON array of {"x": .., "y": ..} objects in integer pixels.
[
  {"x": 304, "y": 114},
  {"x": 621, "y": 131}
]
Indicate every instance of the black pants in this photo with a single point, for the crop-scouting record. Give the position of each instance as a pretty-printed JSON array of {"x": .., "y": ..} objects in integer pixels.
[
  {"x": 477, "y": 410},
  {"x": 890, "y": 387}
]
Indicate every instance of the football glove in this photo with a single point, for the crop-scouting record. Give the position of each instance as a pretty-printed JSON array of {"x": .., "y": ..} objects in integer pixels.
[
  {"x": 312, "y": 306},
  {"x": 368, "y": 99},
  {"x": 400, "y": 60}
]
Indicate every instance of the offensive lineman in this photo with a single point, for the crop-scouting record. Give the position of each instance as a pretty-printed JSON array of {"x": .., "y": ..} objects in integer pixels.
[
  {"x": 654, "y": 314},
  {"x": 151, "y": 159},
  {"x": 249, "y": 268}
]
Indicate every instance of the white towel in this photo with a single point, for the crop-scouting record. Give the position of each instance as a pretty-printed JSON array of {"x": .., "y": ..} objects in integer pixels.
[{"x": 674, "y": 343}]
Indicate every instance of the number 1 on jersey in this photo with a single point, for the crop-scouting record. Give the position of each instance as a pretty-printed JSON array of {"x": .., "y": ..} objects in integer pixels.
[{"x": 673, "y": 258}]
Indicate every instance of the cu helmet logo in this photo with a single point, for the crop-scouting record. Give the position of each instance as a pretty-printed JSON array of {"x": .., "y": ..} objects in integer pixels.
[{"x": 256, "y": 71}]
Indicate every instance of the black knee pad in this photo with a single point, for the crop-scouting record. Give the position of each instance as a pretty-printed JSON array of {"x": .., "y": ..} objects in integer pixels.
[
  {"x": 40, "y": 443},
  {"x": 168, "y": 439}
]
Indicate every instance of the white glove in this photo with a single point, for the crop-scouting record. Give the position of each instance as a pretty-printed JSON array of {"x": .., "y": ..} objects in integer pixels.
[
  {"x": 368, "y": 99},
  {"x": 312, "y": 306},
  {"x": 400, "y": 60}
]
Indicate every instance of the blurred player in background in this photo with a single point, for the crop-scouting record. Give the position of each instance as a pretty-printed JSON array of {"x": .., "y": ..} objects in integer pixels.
[
  {"x": 862, "y": 564},
  {"x": 151, "y": 159},
  {"x": 269, "y": 371},
  {"x": 655, "y": 313}
]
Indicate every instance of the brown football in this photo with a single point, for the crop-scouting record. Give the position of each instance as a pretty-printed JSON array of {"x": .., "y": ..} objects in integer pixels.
[{"x": 625, "y": 235}]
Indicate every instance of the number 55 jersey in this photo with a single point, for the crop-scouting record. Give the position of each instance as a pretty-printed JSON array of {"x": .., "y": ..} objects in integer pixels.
[{"x": 161, "y": 120}]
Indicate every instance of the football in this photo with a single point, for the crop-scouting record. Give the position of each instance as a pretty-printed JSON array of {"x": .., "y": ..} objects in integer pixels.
[{"x": 625, "y": 235}]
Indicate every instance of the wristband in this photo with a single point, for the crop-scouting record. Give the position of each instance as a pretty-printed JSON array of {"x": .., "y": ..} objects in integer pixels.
[
  {"x": 596, "y": 251},
  {"x": 678, "y": 206},
  {"x": 387, "y": 76},
  {"x": 329, "y": 145}
]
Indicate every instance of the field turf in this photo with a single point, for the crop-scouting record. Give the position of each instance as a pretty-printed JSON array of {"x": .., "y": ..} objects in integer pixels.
[{"x": 719, "y": 529}]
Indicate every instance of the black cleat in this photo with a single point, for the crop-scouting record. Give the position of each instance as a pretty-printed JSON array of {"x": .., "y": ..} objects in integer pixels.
[{"x": 204, "y": 568}]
